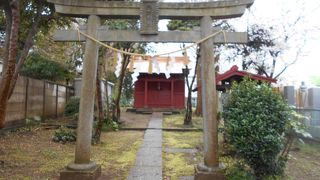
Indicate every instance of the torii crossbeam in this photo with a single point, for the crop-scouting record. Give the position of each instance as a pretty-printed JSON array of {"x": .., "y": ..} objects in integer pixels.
[
  {"x": 164, "y": 36},
  {"x": 149, "y": 12}
]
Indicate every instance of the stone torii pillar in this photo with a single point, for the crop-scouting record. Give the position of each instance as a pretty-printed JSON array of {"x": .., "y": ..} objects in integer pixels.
[
  {"x": 209, "y": 169},
  {"x": 149, "y": 12},
  {"x": 83, "y": 167}
]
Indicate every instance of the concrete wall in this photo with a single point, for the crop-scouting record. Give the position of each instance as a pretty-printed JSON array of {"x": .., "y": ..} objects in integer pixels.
[
  {"x": 33, "y": 98},
  {"x": 105, "y": 87}
]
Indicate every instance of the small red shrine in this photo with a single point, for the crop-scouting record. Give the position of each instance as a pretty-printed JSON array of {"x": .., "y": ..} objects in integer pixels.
[
  {"x": 224, "y": 81},
  {"x": 156, "y": 91}
]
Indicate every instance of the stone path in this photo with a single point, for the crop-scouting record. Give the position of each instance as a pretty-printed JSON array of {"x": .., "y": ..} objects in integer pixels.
[{"x": 148, "y": 164}]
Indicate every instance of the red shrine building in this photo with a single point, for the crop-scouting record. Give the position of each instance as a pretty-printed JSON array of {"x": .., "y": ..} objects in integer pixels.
[
  {"x": 224, "y": 81},
  {"x": 156, "y": 91}
]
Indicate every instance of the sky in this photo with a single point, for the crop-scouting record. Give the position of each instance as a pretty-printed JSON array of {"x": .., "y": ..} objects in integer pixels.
[{"x": 279, "y": 13}]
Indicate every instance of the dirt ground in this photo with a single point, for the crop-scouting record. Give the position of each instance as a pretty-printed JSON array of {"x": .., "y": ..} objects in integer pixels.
[
  {"x": 133, "y": 120},
  {"x": 304, "y": 161}
]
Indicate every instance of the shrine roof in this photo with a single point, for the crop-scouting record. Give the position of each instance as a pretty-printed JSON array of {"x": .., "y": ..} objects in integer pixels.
[{"x": 235, "y": 74}]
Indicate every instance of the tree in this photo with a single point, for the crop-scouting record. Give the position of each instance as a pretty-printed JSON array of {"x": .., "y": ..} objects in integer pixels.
[
  {"x": 23, "y": 21},
  {"x": 39, "y": 67},
  {"x": 101, "y": 112},
  {"x": 127, "y": 89},
  {"x": 118, "y": 89},
  {"x": 188, "y": 115},
  {"x": 129, "y": 47},
  {"x": 274, "y": 43},
  {"x": 187, "y": 26},
  {"x": 262, "y": 53},
  {"x": 11, "y": 47}
]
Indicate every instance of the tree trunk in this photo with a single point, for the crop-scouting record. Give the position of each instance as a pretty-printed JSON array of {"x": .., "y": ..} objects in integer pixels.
[
  {"x": 11, "y": 61},
  {"x": 188, "y": 115},
  {"x": 101, "y": 116},
  {"x": 28, "y": 44},
  {"x": 116, "y": 101}
]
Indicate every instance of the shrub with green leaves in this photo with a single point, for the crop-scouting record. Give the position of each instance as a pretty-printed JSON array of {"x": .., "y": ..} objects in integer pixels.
[
  {"x": 72, "y": 106},
  {"x": 64, "y": 135},
  {"x": 255, "y": 122}
]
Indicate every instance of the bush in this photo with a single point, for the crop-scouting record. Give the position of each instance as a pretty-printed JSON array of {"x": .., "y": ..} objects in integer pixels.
[
  {"x": 64, "y": 135},
  {"x": 255, "y": 121},
  {"x": 72, "y": 106},
  {"x": 110, "y": 125}
]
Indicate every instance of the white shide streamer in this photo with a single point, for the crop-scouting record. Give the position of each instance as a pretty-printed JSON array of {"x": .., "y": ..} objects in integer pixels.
[{"x": 119, "y": 64}]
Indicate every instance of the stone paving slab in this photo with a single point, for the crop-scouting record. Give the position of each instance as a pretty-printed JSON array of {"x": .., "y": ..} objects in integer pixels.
[
  {"x": 180, "y": 150},
  {"x": 146, "y": 173},
  {"x": 157, "y": 123},
  {"x": 149, "y": 157},
  {"x": 151, "y": 133},
  {"x": 151, "y": 144},
  {"x": 148, "y": 164}
]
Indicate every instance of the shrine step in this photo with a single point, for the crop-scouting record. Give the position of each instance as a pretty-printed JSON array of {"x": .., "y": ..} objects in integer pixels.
[{"x": 165, "y": 111}]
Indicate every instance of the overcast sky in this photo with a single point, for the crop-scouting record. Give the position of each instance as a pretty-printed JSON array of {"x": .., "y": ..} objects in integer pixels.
[
  {"x": 278, "y": 12},
  {"x": 308, "y": 29}
]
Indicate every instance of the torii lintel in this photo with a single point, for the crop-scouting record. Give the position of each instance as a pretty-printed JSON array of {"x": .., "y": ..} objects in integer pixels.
[{"x": 167, "y": 10}]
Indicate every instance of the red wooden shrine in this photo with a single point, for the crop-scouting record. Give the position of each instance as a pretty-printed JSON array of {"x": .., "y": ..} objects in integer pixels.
[
  {"x": 155, "y": 91},
  {"x": 224, "y": 81}
]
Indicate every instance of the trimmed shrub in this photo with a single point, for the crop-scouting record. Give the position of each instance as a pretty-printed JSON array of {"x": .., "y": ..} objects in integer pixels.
[
  {"x": 72, "y": 106},
  {"x": 255, "y": 122}
]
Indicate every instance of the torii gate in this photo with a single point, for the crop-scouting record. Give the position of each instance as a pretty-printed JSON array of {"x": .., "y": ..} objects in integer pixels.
[{"x": 149, "y": 12}]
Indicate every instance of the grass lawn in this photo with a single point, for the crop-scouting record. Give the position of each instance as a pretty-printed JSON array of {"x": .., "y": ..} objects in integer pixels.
[
  {"x": 176, "y": 121},
  {"x": 180, "y": 164},
  {"x": 32, "y": 155}
]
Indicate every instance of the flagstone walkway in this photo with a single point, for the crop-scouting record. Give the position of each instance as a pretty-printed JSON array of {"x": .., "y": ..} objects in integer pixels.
[{"x": 148, "y": 164}]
